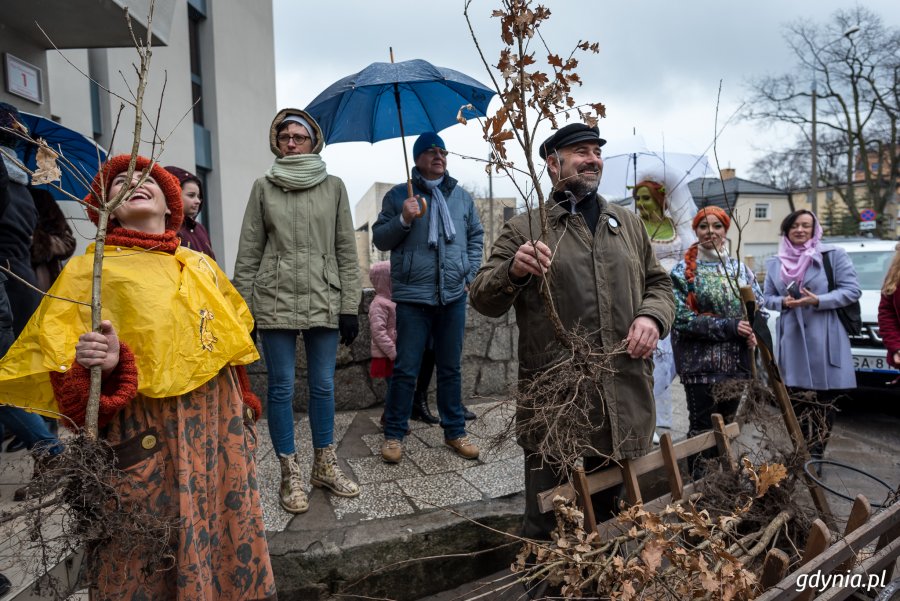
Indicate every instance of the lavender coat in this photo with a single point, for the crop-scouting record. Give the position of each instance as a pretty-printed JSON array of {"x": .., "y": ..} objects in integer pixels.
[{"x": 813, "y": 346}]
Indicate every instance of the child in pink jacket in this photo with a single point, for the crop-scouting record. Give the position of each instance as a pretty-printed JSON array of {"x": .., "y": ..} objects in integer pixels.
[{"x": 382, "y": 323}]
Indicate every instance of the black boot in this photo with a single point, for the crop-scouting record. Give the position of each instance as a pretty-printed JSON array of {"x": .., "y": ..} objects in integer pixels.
[
  {"x": 420, "y": 410},
  {"x": 468, "y": 414},
  {"x": 16, "y": 444}
]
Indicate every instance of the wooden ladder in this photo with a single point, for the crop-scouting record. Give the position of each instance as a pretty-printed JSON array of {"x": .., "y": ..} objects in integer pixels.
[{"x": 583, "y": 485}]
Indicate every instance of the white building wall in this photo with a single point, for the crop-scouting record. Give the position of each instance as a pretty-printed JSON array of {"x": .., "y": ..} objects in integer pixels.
[
  {"x": 366, "y": 210},
  {"x": 70, "y": 104},
  {"x": 169, "y": 69},
  {"x": 70, "y": 99},
  {"x": 239, "y": 83},
  {"x": 757, "y": 236},
  {"x": 21, "y": 47}
]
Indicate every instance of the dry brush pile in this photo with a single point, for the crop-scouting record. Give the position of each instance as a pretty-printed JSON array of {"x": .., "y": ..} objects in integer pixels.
[
  {"x": 76, "y": 502},
  {"x": 685, "y": 551}
]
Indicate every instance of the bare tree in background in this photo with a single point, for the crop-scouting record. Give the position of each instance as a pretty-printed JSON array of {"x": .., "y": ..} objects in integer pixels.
[
  {"x": 857, "y": 88},
  {"x": 786, "y": 169}
]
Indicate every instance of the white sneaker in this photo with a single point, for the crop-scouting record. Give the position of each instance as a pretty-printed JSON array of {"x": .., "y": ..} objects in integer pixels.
[{"x": 656, "y": 438}]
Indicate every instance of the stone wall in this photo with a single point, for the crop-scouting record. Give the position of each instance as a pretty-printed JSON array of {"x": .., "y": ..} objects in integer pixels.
[{"x": 489, "y": 366}]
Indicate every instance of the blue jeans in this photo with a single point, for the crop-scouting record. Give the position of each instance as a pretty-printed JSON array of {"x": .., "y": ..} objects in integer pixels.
[
  {"x": 415, "y": 323},
  {"x": 31, "y": 429},
  {"x": 280, "y": 352}
]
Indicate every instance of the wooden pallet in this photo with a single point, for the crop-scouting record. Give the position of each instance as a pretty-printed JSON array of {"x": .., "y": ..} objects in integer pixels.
[
  {"x": 821, "y": 555},
  {"x": 825, "y": 556},
  {"x": 584, "y": 485}
]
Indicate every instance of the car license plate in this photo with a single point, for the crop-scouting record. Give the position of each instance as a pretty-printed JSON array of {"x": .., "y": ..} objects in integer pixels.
[{"x": 872, "y": 364}]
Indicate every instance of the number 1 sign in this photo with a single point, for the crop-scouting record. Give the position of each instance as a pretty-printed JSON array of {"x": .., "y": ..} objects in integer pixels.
[{"x": 23, "y": 79}]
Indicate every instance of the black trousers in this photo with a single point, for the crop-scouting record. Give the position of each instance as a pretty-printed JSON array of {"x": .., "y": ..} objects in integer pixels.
[
  {"x": 541, "y": 476},
  {"x": 701, "y": 405},
  {"x": 426, "y": 371}
]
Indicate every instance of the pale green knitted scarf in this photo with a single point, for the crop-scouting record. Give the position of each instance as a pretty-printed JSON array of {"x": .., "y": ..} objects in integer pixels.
[{"x": 297, "y": 172}]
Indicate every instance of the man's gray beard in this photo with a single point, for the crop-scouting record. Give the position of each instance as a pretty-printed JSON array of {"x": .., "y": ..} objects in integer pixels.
[{"x": 580, "y": 186}]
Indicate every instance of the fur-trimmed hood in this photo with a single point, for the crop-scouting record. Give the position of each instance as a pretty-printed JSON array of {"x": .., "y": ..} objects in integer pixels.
[{"x": 282, "y": 114}]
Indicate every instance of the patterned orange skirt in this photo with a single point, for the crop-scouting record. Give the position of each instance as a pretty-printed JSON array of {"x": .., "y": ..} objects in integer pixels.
[{"x": 189, "y": 460}]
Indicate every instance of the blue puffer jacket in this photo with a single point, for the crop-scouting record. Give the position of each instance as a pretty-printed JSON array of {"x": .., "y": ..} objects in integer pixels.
[{"x": 419, "y": 274}]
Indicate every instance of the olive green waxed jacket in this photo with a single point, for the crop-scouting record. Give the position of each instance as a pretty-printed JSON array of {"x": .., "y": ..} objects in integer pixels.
[
  {"x": 600, "y": 281},
  {"x": 297, "y": 265}
]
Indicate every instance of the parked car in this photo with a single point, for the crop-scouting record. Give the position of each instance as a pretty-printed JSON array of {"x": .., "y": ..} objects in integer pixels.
[{"x": 871, "y": 258}]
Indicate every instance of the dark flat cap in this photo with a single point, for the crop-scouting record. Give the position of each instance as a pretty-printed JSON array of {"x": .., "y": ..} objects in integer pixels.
[{"x": 568, "y": 135}]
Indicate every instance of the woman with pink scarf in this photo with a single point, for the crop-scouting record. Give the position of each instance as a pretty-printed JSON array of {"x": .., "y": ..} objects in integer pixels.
[{"x": 813, "y": 346}]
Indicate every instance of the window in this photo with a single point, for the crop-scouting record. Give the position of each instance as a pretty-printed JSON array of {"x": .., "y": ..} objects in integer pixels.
[
  {"x": 96, "y": 115},
  {"x": 195, "y": 18},
  {"x": 761, "y": 211},
  {"x": 870, "y": 267},
  {"x": 203, "y": 217}
]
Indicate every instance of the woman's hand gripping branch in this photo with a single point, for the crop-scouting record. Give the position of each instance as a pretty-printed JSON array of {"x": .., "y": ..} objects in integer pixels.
[{"x": 99, "y": 348}]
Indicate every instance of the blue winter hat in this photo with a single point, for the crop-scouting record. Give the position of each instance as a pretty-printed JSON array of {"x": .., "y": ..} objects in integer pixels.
[{"x": 427, "y": 140}]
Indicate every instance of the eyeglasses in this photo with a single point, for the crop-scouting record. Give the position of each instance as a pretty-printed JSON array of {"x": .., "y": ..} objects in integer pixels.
[
  {"x": 435, "y": 151},
  {"x": 296, "y": 139}
]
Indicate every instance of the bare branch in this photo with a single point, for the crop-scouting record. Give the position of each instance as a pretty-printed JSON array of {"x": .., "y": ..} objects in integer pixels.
[
  {"x": 85, "y": 75},
  {"x": 6, "y": 269}
]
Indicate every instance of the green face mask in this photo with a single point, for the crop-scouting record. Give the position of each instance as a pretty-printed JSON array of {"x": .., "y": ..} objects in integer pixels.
[{"x": 645, "y": 203}]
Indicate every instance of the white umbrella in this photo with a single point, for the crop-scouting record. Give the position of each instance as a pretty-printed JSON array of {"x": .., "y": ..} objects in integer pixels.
[
  {"x": 630, "y": 161},
  {"x": 623, "y": 163}
]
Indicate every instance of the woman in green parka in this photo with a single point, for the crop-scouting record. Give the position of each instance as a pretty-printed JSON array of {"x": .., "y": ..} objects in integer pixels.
[{"x": 297, "y": 269}]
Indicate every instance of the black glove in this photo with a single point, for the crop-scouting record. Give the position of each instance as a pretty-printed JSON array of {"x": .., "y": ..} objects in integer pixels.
[{"x": 348, "y": 325}]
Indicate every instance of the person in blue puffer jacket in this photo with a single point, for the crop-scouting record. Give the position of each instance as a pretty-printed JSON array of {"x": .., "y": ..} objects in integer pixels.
[{"x": 435, "y": 239}]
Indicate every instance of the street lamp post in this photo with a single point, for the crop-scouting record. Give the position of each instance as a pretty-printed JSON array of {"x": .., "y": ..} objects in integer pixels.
[{"x": 814, "y": 170}]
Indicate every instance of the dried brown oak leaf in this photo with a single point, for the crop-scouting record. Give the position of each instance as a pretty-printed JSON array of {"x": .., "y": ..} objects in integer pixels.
[
  {"x": 47, "y": 169},
  {"x": 765, "y": 476}
]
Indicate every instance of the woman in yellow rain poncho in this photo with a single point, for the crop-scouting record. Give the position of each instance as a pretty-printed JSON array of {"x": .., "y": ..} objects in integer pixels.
[{"x": 175, "y": 400}]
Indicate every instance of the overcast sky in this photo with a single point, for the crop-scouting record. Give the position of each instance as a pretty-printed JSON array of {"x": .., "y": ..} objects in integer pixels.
[{"x": 658, "y": 70}]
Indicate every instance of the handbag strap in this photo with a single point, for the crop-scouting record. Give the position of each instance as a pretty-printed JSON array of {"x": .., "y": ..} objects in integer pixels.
[{"x": 829, "y": 272}]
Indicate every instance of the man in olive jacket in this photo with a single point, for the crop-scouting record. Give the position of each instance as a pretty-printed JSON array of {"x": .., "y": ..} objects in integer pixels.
[{"x": 603, "y": 276}]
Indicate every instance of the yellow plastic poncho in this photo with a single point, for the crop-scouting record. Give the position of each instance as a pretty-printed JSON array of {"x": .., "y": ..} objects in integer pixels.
[{"x": 179, "y": 314}]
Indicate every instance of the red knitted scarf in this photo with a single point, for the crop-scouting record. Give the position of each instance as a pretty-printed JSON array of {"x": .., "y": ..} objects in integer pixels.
[{"x": 166, "y": 242}]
